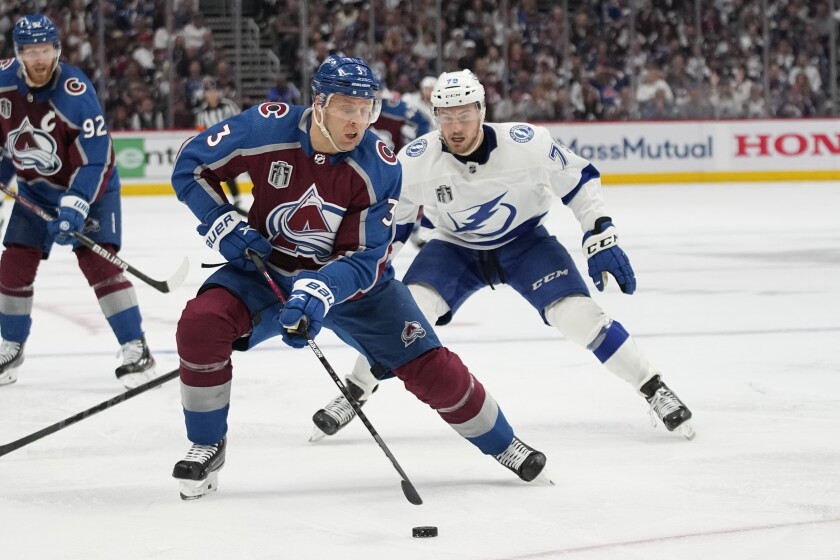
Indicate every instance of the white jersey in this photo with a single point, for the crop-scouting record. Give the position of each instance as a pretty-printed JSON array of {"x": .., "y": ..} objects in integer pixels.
[{"x": 486, "y": 205}]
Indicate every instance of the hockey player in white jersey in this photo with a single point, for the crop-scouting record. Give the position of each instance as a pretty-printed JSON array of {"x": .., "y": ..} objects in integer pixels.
[{"x": 487, "y": 188}]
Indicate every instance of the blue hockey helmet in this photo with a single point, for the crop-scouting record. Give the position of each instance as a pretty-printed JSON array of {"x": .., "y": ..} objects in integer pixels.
[
  {"x": 346, "y": 76},
  {"x": 35, "y": 29}
]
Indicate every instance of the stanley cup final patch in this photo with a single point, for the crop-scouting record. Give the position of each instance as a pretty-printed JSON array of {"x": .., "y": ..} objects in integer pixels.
[
  {"x": 280, "y": 174},
  {"x": 412, "y": 331}
]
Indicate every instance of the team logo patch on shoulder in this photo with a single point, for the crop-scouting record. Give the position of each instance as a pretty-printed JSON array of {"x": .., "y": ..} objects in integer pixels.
[
  {"x": 6, "y": 62},
  {"x": 386, "y": 153},
  {"x": 5, "y": 108},
  {"x": 412, "y": 331},
  {"x": 521, "y": 133},
  {"x": 276, "y": 110},
  {"x": 74, "y": 87},
  {"x": 416, "y": 148}
]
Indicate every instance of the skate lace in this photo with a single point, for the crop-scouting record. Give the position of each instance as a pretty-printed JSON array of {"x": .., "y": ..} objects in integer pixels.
[
  {"x": 201, "y": 453},
  {"x": 8, "y": 351},
  {"x": 340, "y": 409},
  {"x": 662, "y": 403},
  {"x": 514, "y": 455},
  {"x": 132, "y": 351}
]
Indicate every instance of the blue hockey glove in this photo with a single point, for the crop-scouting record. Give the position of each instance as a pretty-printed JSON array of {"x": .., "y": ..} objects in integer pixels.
[
  {"x": 308, "y": 303},
  {"x": 605, "y": 256},
  {"x": 72, "y": 212},
  {"x": 231, "y": 236}
]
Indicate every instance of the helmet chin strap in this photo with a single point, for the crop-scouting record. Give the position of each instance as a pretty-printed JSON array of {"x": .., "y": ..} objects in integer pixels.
[{"x": 321, "y": 126}]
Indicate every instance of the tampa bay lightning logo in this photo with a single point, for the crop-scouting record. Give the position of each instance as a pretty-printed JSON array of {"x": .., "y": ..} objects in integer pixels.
[
  {"x": 305, "y": 227},
  {"x": 485, "y": 220},
  {"x": 32, "y": 148},
  {"x": 416, "y": 148},
  {"x": 521, "y": 133}
]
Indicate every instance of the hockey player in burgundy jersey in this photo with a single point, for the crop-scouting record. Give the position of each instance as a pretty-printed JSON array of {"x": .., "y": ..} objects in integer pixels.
[
  {"x": 55, "y": 140},
  {"x": 322, "y": 219},
  {"x": 487, "y": 188}
]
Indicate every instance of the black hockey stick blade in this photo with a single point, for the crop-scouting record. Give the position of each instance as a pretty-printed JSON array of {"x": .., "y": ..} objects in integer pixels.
[
  {"x": 35, "y": 436},
  {"x": 411, "y": 493}
]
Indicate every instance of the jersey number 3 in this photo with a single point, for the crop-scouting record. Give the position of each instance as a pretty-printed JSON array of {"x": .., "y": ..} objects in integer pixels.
[{"x": 214, "y": 140}]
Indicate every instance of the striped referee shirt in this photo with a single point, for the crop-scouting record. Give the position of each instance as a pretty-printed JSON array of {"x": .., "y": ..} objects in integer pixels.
[{"x": 208, "y": 116}]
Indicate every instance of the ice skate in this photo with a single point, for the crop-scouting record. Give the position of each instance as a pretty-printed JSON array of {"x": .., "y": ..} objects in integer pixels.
[
  {"x": 138, "y": 365},
  {"x": 198, "y": 472},
  {"x": 337, "y": 414},
  {"x": 665, "y": 405},
  {"x": 525, "y": 461},
  {"x": 11, "y": 358}
]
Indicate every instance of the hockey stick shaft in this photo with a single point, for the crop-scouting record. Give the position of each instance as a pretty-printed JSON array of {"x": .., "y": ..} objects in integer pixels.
[
  {"x": 104, "y": 405},
  {"x": 408, "y": 488},
  {"x": 160, "y": 285}
]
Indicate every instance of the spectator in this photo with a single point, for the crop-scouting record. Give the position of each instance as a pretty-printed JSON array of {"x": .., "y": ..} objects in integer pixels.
[
  {"x": 284, "y": 91},
  {"x": 147, "y": 116}
]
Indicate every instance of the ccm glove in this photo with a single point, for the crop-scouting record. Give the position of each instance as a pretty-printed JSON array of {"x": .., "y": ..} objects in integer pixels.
[
  {"x": 605, "y": 256},
  {"x": 231, "y": 236},
  {"x": 307, "y": 305},
  {"x": 72, "y": 213}
]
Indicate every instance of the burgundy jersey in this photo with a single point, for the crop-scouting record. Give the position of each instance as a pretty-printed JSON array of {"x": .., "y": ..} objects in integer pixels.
[
  {"x": 54, "y": 137},
  {"x": 332, "y": 213}
]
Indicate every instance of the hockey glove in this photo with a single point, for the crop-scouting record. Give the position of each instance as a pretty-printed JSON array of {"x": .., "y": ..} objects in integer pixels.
[
  {"x": 231, "y": 236},
  {"x": 72, "y": 212},
  {"x": 307, "y": 305},
  {"x": 605, "y": 256}
]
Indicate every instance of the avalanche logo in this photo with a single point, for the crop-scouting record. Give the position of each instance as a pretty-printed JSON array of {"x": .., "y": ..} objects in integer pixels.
[
  {"x": 276, "y": 110},
  {"x": 412, "y": 331},
  {"x": 521, "y": 133},
  {"x": 416, "y": 148},
  {"x": 485, "y": 220},
  {"x": 32, "y": 148},
  {"x": 5, "y": 63},
  {"x": 74, "y": 87},
  {"x": 387, "y": 155},
  {"x": 306, "y": 227}
]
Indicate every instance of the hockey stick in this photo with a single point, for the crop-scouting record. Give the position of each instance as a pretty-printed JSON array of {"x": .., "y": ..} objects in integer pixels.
[
  {"x": 161, "y": 285},
  {"x": 17, "y": 444},
  {"x": 407, "y": 487}
]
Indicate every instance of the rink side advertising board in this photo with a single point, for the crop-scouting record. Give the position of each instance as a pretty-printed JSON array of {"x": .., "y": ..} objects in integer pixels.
[{"x": 625, "y": 153}]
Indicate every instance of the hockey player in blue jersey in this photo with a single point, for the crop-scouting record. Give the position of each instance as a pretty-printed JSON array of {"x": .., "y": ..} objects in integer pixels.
[
  {"x": 486, "y": 188},
  {"x": 325, "y": 188},
  {"x": 55, "y": 141},
  {"x": 400, "y": 122}
]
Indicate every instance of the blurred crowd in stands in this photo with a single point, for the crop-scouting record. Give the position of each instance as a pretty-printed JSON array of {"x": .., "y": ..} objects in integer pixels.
[{"x": 601, "y": 60}]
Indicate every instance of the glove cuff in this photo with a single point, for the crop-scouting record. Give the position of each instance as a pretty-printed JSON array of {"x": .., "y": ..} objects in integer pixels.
[
  {"x": 222, "y": 226},
  {"x": 315, "y": 288},
  {"x": 598, "y": 242},
  {"x": 80, "y": 205}
]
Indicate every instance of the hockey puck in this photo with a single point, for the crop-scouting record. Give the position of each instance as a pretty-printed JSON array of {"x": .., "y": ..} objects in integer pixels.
[{"x": 424, "y": 532}]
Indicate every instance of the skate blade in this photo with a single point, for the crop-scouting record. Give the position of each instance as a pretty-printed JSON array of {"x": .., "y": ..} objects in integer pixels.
[
  {"x": 317, "y": 435},
  {"x": 543, "y": 479},
  {"x": 195, "y": 489},
  {"x": 687, "y": 431}
]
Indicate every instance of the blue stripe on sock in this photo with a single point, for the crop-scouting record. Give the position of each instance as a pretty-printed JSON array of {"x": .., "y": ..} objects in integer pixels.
[
  {"x": 611, "y": 340},
  {"x": 497, "y": 439},
  {"x": 206, "y": 428},
  {"x": 126, "y": 325}
]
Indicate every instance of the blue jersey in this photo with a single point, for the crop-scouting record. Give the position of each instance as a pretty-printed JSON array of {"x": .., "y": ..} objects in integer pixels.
[
  {"x": 331, "y": 213},
  {"x": 54, "y": 137}
]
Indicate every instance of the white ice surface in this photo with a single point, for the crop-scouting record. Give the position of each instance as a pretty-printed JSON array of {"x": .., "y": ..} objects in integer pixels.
[{"x": 738, "y": 304}]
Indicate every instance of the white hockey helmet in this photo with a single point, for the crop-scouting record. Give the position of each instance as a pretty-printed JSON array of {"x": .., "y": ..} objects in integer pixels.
[{"x": 458, "y": 88}]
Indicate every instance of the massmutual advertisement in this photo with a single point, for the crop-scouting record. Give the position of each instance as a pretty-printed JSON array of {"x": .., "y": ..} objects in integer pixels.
[{"x": 625, "y": 153}]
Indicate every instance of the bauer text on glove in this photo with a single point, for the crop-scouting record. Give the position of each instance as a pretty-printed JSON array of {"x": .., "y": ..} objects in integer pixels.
[
  {"x": 232, "y": 237},
  {"x": 309, "y": 302}
]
